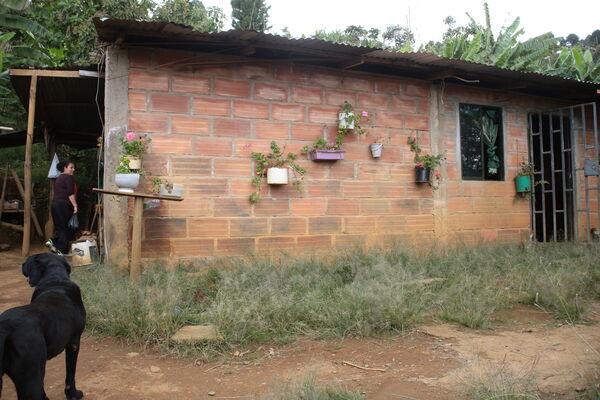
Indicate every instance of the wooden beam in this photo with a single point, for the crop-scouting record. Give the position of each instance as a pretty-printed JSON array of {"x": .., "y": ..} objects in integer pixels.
[
  {"x": 36, "y": 223},
  {"x": 12, "y": 226},
  {"x": 44, "y": 73},
  {"x": 27, "y": 167},
  {"x": 3, "y": 190}
]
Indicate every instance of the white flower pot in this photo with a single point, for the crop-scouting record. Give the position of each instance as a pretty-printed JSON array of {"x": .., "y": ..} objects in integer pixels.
[
  {"x": 175, "y": 191},
  {"x": 345, "y": 122},
  {"x": 277, "y": 176},
  {"x": 134, "y": 162},
  {"x": 127, "y": 182},
  {"x": 376, "y": 149}
]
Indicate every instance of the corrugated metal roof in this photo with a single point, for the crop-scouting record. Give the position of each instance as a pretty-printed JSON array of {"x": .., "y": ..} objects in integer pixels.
[{"x": 411, "y": 64}]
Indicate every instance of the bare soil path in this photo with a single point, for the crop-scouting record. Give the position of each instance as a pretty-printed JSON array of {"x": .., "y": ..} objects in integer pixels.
[{"x": 436, "y": 362}]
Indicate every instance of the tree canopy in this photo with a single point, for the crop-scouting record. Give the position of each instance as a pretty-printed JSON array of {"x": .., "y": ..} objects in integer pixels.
[{"x": 250, "y": 15}]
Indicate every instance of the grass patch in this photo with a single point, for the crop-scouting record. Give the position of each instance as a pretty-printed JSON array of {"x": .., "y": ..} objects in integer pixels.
[
  {"x": 307, "y": 389},
  {"x": 360, "y": 293}
]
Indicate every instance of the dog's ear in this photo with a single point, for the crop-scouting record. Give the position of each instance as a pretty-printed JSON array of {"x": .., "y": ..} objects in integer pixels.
[{"x": 34, "y": 270}]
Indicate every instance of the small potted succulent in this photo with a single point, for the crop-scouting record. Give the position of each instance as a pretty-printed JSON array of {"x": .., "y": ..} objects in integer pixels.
[
  {"x": 348, "y": 122},
  {"x": 128, "y": 171},
  {"x": 274, "y": 167},
  {"x": 426, "y": 165}
]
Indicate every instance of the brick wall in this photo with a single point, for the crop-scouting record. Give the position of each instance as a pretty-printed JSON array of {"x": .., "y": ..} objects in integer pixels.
[{"x": 206, "y": 120}]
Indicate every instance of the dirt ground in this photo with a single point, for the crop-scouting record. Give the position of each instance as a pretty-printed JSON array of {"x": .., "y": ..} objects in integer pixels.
[{"x": 437, "y": 361}]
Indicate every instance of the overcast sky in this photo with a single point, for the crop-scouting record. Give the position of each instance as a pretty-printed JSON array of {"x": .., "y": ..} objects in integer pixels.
[{"x": 425, "y": 17}]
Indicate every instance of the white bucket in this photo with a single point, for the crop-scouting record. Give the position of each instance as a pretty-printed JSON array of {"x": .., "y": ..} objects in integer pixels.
[
  {"x": 83, "y": 253},
  {"x": 277, "y": 176}
]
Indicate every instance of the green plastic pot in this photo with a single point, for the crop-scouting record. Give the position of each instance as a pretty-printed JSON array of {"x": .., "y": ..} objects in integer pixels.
[{"x": 523, "y": 184}]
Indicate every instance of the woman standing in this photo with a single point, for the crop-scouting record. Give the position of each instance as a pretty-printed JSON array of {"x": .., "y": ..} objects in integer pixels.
[{"x": 64, "y": 205}]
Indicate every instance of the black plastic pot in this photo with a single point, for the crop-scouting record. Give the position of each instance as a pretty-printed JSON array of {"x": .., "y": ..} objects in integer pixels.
[{"x": 422, "y": 175}]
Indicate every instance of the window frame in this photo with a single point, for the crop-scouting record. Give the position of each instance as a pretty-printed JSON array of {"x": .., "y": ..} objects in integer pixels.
[{"x": 501, "y": 144}]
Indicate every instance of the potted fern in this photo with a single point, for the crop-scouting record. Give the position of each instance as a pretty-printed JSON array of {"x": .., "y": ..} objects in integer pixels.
[{"x": 274, "y": 167}]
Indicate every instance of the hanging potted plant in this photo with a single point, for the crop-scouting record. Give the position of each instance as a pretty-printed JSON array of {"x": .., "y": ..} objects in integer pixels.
[
  {"x": 376, "y": 148},
  {"x": 523, "y": 178},
  {"x": 348, "y": 122},
  {"x": 274, "y": 167},
  {"x": 128, "y": 171},
  {"x": 426, "y": 165}
]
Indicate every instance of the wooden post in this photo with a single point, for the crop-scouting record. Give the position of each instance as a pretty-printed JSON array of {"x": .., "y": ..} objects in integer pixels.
[
  {"x": 36, "y": 223},
  {"x": 3, "y": 191},
  {"x": 27, "y": 167},
  {"x": 49, "y": 227},
  {"x": 136, "y": 239}
]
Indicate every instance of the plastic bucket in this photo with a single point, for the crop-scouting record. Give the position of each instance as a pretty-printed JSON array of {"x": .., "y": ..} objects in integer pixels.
[{"x": 523, "y": 184}]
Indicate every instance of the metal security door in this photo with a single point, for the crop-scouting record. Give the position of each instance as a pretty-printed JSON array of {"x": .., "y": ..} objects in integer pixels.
[{"x": 563, "y": 146}]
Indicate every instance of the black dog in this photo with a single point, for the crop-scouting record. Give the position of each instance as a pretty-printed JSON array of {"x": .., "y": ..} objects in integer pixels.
[{"x": 32, "y": 334}]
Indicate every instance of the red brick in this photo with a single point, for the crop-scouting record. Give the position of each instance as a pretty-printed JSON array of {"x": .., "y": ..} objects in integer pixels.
[
  {"x": 213, "y": 147},
  {"x": 191, "y": 166},
  {"x": 390, "y": 189},
  {"x": 139, "y": 58},
  {"x": 291, "y": 73},
  {"x": 204, "y": 105},
  {"x": 250, "y": 109},
  {"x": 144, "y": 122},
  {"x": 241, "y": 187},
  {"x": 373, "y": 100},
  {"x": 337, "y": 97},
  {"x": 306, "y": 207},
  {"x": 315, "y": 242},
  {"x": 249, "y": 227},
  {"x": 372, "y": 171},
  {"x": 342, "y": 207},
  {"x": 236, "y": 247},
  {"x": 270, "y": 91},
  {"x": 350, "y": 241},
  {"x": 325, "y": 79},
  {"x": 170, "y": 102},
  {"x": 190, "y": 125},
  {"x": 305, "y": 94},
  {"x": 193, "y": 247},
  {"x": 189, "y": 83},
  {"x": 169, "y": 144},
  {"x": 364, "y": 224},
  {"x": 165, "y": 228},
  {"x": 232, "y": 88},
  {"x": 276, "y": 243},
  {"x": 174, "y": 59},
  {"x": 288, "y": 226},
  {"x": 389, "y": 119},
  {"x": 417, "y": 90},
  {"x": 155, "y": 164},
  {"x": 148, "y": 80},
  {"x": 416, "y": 122},
  {"x": 232, "y": 207},
  {"x": 359, "y": 189},
  {"x": 271, "y": 130},
  {"x": 306, "y": 132},
  {"x": 357, "y": 83},
  {"x": 387, "y": 86},
  {"x": 340, "y": 170},
  {"x": 419, "y": 222},
  {"x": 137, "y": 101},
  {"x": 374, "y": 206},
  {"x": 219, "y": 70},
  {"x": 287, "y": 112},
  {"x": 156, "y": 248},
  {"x": 404, "y": 206},
  {"x": 262, "y": 71},
  {"x": 245, "y": 147},
  {"x": 208, "y": 227},
  {"x": 190, "y": 207},
  {"x": 269, "y": 206},
  {"x": 324, "y": 188},
  {"x": 326, "y": 115},
  {"x": 207, "y": 187},
  {"x": 323, "y": 225},
  {"x": 230, "y": 127},
  {"x": 403, "y": 104},
  {"x": 232, "y": 167}
]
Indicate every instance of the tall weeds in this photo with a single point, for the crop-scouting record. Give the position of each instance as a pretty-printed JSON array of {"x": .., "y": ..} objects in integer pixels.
[{"x": 360, "y": 293}]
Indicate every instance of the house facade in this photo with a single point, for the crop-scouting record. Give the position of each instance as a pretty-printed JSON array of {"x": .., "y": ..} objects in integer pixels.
[{"x": 207, "y": 111}]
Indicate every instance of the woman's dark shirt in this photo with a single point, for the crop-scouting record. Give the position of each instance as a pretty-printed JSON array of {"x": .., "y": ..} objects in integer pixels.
[{"x": 64, "y": 186}]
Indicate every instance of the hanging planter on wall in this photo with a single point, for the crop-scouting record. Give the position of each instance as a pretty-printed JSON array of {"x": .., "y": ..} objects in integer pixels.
[
  {"x": 277, "y": 176},
  {"x": 326, "y": 155},
  {"x": 422, "y": 175},
  {"x": 376, "y": 149}
]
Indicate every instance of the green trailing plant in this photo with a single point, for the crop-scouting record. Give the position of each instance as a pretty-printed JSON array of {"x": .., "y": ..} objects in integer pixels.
[
  {"x": 427, "y": 161},
  {"x": 274, "y": 159},
  {"x": 156, "y": 182},
  {"x": 135, "y": 145},
  {"x": 349, "y": 122}
]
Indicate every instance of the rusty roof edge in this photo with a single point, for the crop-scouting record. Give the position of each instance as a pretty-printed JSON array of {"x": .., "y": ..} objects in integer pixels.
[{"x": 119, "y": 26}]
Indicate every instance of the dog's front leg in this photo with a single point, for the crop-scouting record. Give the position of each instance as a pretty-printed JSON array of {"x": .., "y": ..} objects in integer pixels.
[{"x": 71, "y": 353}]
